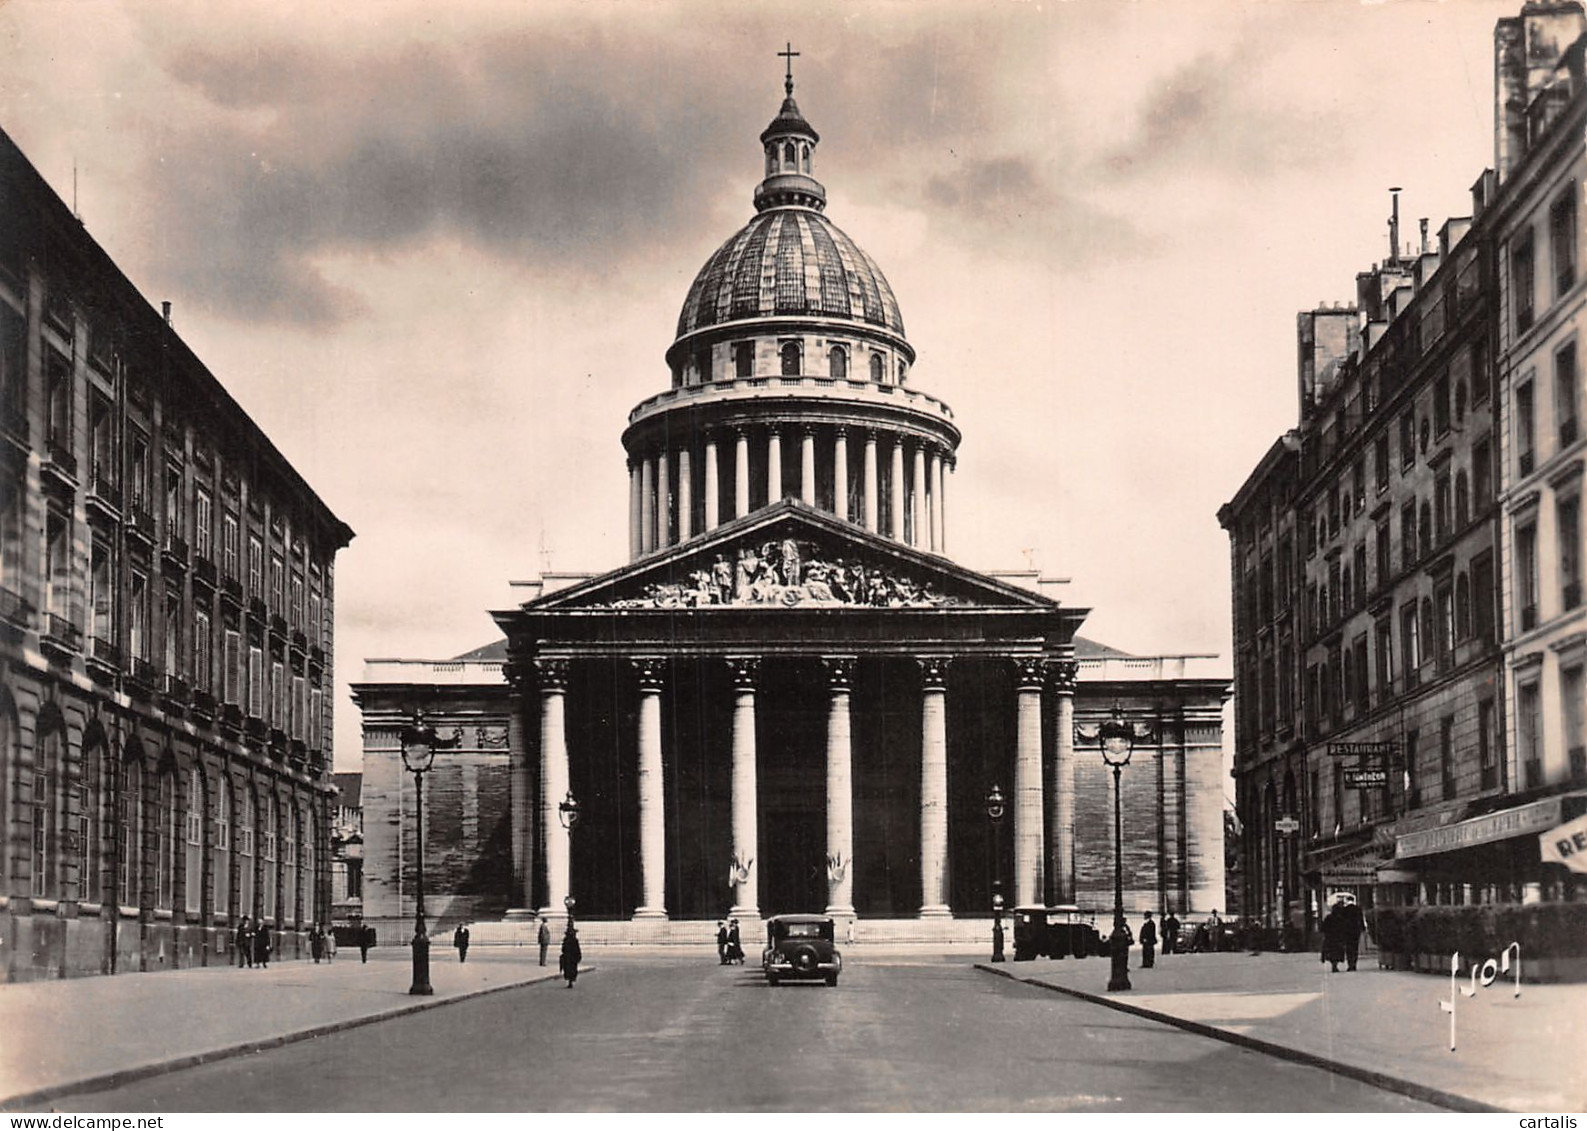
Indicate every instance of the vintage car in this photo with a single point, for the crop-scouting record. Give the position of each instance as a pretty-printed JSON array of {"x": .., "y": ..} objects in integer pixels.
[
  {"x": 800, "y": 946},
  {"x": 1054, "y": 932}
]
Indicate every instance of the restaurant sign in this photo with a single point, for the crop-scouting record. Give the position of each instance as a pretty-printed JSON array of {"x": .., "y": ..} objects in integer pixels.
[
  {"x": 1361, "y": 749},
  {"x": 1533, "y": 818},
  {"x": 1367, "y": 779}
]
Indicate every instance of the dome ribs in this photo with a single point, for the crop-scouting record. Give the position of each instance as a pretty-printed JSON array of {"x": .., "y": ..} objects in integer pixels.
[
  {"x": 748, "y": 270},
  {"x": 834, "y": 288},
  {"x": 790, "y": 295}
]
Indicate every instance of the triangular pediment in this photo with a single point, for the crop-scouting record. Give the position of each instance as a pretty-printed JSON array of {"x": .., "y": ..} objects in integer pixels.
[{"x": 790, "y": 556}]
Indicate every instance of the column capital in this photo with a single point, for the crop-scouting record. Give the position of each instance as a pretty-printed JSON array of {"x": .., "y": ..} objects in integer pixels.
[
  {"x": 745, "y": 671},
  {"x": 1028, "y": 670},
  {"x": 1065, "y": 675},
  {"x": 652, "y": 671},
  {"x": 842, "y": 431},
  {"x": 934, "y": 672},
  {"x": 552, "y": 673},
  {"x": 840, "y": 671}
]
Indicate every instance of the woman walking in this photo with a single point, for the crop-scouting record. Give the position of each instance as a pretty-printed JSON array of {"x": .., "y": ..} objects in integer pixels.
[{"x": 571, "y": 953}]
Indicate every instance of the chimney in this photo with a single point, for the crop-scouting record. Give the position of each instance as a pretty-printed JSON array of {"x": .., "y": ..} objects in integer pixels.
[
  {"x": 1526, "y": 54},
  {"x": 1394, "y": 224},
  {"x": 165, "y": 309}
]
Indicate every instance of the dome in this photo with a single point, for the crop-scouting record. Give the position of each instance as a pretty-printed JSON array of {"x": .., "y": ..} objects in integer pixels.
[{"x": 790, "y": 261}]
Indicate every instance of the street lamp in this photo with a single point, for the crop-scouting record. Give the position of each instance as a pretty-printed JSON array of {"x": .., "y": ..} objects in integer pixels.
[
  {"x": 568, "y": 815},
  {"x": 1117, "y": 740},
  {"x": 994, "y": 813},
  {"x": 419, "y": 741}
]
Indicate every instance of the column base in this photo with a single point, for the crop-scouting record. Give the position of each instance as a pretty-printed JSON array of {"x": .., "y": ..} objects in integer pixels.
[
  {"x": 743, "y": 912},
  {"x": 844, "y": 912},
  {"x": 519, "y": 915},
  {"x": 936, "y": 911},
  {"x": 650, "y": 914}
]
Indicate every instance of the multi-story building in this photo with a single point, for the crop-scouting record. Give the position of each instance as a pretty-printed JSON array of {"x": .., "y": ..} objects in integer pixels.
[
  {"x": 1542, "y": 166},
  {"x": 1433, "y": 679},
  {"x": 166, "y": 610},
  {"x": 347, "y": 850}
]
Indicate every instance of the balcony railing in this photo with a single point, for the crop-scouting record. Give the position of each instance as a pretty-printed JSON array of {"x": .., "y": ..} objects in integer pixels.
[
  {"x": 176, "y": 688},
  {"x": 255, "y": 727},
  {"x": 145, "y": 674},
  {"x": 231, "y": 715},
  {"x": 278, "y": 626},
  {"x": 203, "y": 702},
  {"x": 175, "y": 549},
  {"x": 63, "y": 632},
  {"x": 14, "y": 609},
  {"x": 231, "y": 588},
  {"x": 141, "y": 523},
  {"x": 61, "y": 459},
  {"x": 204, "y": 571},
  {"x": 104, "y": 650},
  {"x": 256, "y": 609},
  {"x": 104, "y": 491}
]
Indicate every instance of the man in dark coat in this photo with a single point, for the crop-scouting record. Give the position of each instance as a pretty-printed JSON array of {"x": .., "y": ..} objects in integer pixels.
[
  {"x": 721, "y": 943},
  {"x": 1148, "y": 942},
  {"x": 262, "y": 946},
  {"x": 735, "y": 945},
  {"x": 460, "y": 940},
  {"x": 571, "y": 954},
  {"x": 316, "y": 943},
  {"x": 366, "y": 939},
  {"x": 1170, "y": 933},
  {"x": 544, "y": 938},
  {"x": 1333, "y": 948},
  {"x": 1351, "y": 924},
  {"x": 244, "y": 942}
]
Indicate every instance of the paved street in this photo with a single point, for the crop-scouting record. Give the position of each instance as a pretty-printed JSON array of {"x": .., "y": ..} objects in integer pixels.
[{"x": 673, "y": 1033}]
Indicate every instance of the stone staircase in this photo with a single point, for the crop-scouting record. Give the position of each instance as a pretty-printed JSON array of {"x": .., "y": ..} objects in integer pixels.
[{"x": 702, "y": 932}]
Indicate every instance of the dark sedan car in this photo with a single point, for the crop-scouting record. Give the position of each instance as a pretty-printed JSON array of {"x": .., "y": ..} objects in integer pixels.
[{"x": 800, "y": 946}]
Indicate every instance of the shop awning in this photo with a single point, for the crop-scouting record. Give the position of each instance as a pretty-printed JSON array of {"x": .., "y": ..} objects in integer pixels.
[
  {"x": 1348, "y": 865},
  {"x": 1522, "y": 820}
]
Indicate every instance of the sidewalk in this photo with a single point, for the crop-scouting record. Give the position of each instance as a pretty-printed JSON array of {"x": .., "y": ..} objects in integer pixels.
[
  {"x": 60, "y": 1035},
  {"x": 1517, "y": 1054}
]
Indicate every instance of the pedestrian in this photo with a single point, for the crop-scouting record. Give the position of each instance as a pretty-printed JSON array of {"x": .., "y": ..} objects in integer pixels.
[
  {"x": 460, "y": 940},
  {"x": 1148, "y": 942},
  {"x": 1170, "y": 933},
  {"x": 316, "y": 943},
  {"x": 569, "y": 962},
  {"x": 1214, "y": 931},
  {"x": 330, "y": 945},
  {"x": 1351, "y": 924},
  {"x": 544, "y": 938},
  {"x": 721, "y": 943},
  {"x": 244, "y": 942},
  {"x": 366, "y": 939},
  {"x": 1333, "y": 949},
  {"x": 262, "y": 945},
  {"x": 735, "y": 946}
]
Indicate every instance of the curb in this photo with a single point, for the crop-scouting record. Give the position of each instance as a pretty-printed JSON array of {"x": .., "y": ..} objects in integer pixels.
[
  {"x": 24, "y": 1101},
  {"x": 1415, "y": 1091}
]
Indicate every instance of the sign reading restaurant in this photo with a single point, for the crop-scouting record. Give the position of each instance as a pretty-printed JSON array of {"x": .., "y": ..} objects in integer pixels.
[
  {"x": 1533, "y": 818},
  {"x": 1361, "y": 749}
]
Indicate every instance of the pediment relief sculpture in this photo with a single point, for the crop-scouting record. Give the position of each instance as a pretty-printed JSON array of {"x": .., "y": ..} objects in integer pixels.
[{"x": 788, "y": 573}]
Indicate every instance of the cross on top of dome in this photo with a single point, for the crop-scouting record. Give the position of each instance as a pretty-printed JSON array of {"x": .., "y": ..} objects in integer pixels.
[
  {"x": 790, "y": 55},
  {"x": 789, "y": 143}
]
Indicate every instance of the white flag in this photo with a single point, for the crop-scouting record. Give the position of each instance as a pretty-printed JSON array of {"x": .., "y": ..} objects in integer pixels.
[{"x": 1566, "y": 845}]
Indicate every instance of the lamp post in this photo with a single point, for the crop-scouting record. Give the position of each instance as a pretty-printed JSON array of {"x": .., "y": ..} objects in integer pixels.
[
  {"x": 1117, "y": 740},
  {"x": 568, "y": 815},
  {"x": 994, "y": 813},
  {"x": 419, "y": 741}
]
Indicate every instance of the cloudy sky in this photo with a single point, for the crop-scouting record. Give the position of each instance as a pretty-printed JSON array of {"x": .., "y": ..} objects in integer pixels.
[{"x": 438, "y": 251}]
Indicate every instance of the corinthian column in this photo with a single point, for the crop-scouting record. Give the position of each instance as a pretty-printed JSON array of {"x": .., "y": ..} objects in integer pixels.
[
  {"x": 635, "y": 494},
  {"x": 520, "y": 779},
  {"x": 934, "y": 787},
  {"x": 871, "y": 488},
  {"x": 807, "y": 467},
  {"x": 652, "y": 804},
  {"x": 942, "y": 505},
  {"x": 918, "y": 535},
  {"x": 840, "y": 474},
  {"x": 744, "y": 876},
  {"x": 647, "y": 504},
  {"x": 663, "y": 499},
  {"x": 1061, "y": 827},
  {"x": 934, "y": 517},
  {"x": 773, "y": 466},
  {"x": 713, "y": 486},
  {"x": 1028, "y": 825},
  {"x": 895, "y": 525},
  {"x": 740, "y": 474},
  {"x": 685, "y": 494},
  {"x": 553, "y": 677},
  {"x": 840, "y": 788}
]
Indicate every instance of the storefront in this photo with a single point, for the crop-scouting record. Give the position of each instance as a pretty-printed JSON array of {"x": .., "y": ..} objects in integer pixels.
[{"x": 1492, "y": 858}]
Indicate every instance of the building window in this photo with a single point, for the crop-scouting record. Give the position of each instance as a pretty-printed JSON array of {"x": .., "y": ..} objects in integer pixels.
[
  {"x": 268, "y": 832},
  {"x": 166, "y": 842},
  {"x": 1462, "y": 499},
  {"x": 1412, "y": 783},
  {"x": 1529, "y": 734},
  {"x": 1487, "y": 763},
  {"x": 1441, "y": 405},
  {"x": 256, "y": 679},
  {"x": 1463, "y": 607},
  {"x": 245, "y": 830},
  {"x": 138, "y": 472},
  {"x": 1446, "y": 756},
  {"x": 220, "y": 847},
  {"x": 1444, "y": 602},
  {"x": 277, "y": 585},
  {"x": 175, "y": 526},
  {"x": 1525, "y": 429},
  {"x": 1384, "y": 656},
  {"x": 1566, "y": 394},
  {"x": 1521, "y": 282},
  {"x": 1410, "y": 644},
  {"x": 231, "y": 671},
  {"x": 878, "y": 369},
  {"x": 791, "y": 357},
  {"x": 838, "y": 363},
  {"x": 172, "y": 631},
  {"x": 1407, "y": 440},
  {"x": 203, "y": 651},
  {"x": 1443, "y": 506},
  {"x": 203, "y": 512},
  {"x": 1484, "y": 594},
  {"x": 129, "y": 852},
  {"x": 1408, "y": 534},
  {"x": 1339, "y": 798},
  {"x": 1567, "y": 528},
  {"x": 1424, "y": 530},
  {"x": 1573, "y": 695},
  {"x": 138, "y": 619},
  {"x": 1562, "y": 240},
  {"x": 58, "y": 399},
  {"x": 743, "y": 360},
  {"x": 255, "y": 567},
  {"x": 193, "y": 845},
  {"x": 1526, "y": 582},
  {"x": 101, "y": 597},
  {"x": 1380, "y": 462},
  {"x": 289, "y": 866},
  {"x": 1482, "y": 473}
]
